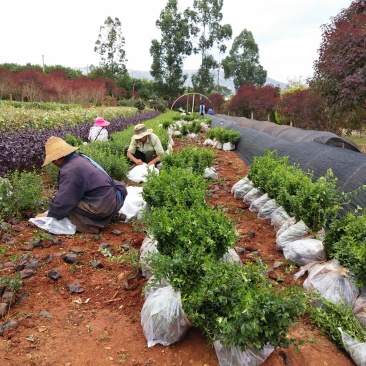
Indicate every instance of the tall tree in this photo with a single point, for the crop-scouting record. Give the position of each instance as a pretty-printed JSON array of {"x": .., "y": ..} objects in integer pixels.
[
  {"x": 340, "y": 72},
  {"x": 242, "y": 63},
  {"x": 205, "y": 18},
  {"x": 110, "y": 46},
  {"x": 169, "y": 53}
]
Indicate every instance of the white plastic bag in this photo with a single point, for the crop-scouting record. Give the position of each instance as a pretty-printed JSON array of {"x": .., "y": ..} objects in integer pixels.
[
  {"x": 210, "y": 173},
  {"x": 267, "y": 209},
  {"x": 162, "y": 318},
  {"x": 355, "y": 349},
  {"x": 228, "y": 146},
  {"x": 242, "y": 191},
  {"x": 50, "y": 224},
  {"x": 289, "y": 222},
  {"x": 133, "y": 204},
  {"x": 279, "y": 217},
  {"x": 148, "y": 246},
  {"x": 231, "y": 256},
  {"x": 233, "y": 356},
  {"x": 139, "y": 173},
  {"x": 239, "y": 184},
  {"x": 295, "y": 232},
  {"x": 359, "y": 308},
  {"x": 252, "y": 195},
  {"x": 331, "y": 280},
  {"x": 256, "y": 205},
  {"x": 304, "y": 251}
]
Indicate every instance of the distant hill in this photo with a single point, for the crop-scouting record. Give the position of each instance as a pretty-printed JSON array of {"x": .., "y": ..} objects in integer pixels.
[
  {"x": 228, "y": 83},
  {"x": 138, "y": 74}
]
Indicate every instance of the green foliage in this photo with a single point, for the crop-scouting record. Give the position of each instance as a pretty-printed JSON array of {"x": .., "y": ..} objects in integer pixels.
[
  {"x": 140, "y": 105},
  {"x": 21, "y": 194},
  {"x": 329, "y": 316},
  {"x": 346, "y": 242},
  {"x": 223, "y": 135},
  {"x": 12, "y": 283},
  {"x": 177, "y": 188},
  {"x": 109, "y": 156},
  {"x": 316, "y": 203},
  {"x": 238, "y": 306},
  {"x": 73, "y": 140},
  {"x": 197, "y": 159}
]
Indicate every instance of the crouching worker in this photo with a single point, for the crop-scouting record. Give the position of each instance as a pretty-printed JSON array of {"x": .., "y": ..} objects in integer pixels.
[
  {"x": 87, "y": 195},
  {"x": 145, "y": 146}
]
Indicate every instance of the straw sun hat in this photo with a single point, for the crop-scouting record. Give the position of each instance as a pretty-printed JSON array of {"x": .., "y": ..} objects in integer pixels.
[
  {"x": 141, "y": 131},
  {"x": 57, "y": 148}
]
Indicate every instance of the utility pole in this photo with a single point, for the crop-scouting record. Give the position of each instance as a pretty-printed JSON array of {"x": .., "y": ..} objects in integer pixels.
[{"x": 43, "y": 63}]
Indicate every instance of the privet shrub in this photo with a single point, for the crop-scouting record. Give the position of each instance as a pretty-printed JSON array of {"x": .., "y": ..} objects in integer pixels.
[
  {"x": 20, "y": 194},
  {"x": 223, "y": 135},
  {"x": 316, "y": 203},
  {"x": 197, "y": 159},
  {"x": 179, "y": 187},
  {"x": 346, "y": 242}
]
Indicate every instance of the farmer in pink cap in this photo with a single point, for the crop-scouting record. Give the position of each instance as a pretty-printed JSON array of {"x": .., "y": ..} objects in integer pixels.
[{"x": 98, "y": 131}]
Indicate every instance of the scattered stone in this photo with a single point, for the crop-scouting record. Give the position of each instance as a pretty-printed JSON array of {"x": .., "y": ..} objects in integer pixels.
[
  {"x": 277, "y": 264},
  {"x": 239, "y": 250},
  {"x": 47, "y": 243},
  {"x": 3, "y": 309},
  {"x": 44, "y": 314},
  {"x": 9, "y": 297},
  {"x": 8, "y": 325},
  {"x": 116, "y": 232},
  {"x": 70, "y": 258},
  {"x": 254, "y": 254},
  {"x": 18, "y": 228},
  {"x": 56, "y": 241},
  {"x": 273, "y": 274},
  {"x": 105, "y": 245},
  {"x": 130, "y": 283},
  {"x": 32, "y": 264},
  {"x": 47, "y": 259},
  {"x": 28, "y": 247},
  {"x": 251, "y": 234},
  {"x": 77, "y": 250},
  {"x": 54, "y": 274},
  {"x": 97, "y": 264},
  {"x": 8, "y": 265},
  {"x": 26, "y": 273},
  {"x": 75, "y": 288},
  {"x": 37, "y": 243},
  {"x": 250, "y": 248}
]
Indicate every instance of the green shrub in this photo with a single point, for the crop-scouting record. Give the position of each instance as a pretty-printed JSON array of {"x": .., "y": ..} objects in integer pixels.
[
  {"x": 73, "y": 140},
  {"x": 177, "y": 188},
  {"x": 346, "y": 242},
  {"x": 197, "y": 159},
  {"x": 21, "y": 194},
  {"x": 140, "y": 105}
]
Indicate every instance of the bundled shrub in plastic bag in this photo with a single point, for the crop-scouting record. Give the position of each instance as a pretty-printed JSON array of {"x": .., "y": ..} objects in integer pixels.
[
  {"x": 242, "y": 191},
  {"x": 148, "y": 246},
  {"x": 54, "y": 226},
  {"x": 258, "y": 203},
  {"x": 133, "y": 204},
  {"x": 232, "y": 257},
  {"x": 304, "y": 251},
  {"x": 267, "y": 209},
  {"x": 139, "y": 173},
  {"x": 234, "y": 356},
  {"x": 162, "y": 318},
  {"x": 239, "y": 184},
  {"x": 359, "y": 307},
  {"x": 295, "y": 232},
  {"x": 289, "y": 222},
  {"x": 331, "y": 280},
  {"x": 355, "y": 349},
  {"x": 252, "y": 195},
  {"x": 279, "y": 217}
]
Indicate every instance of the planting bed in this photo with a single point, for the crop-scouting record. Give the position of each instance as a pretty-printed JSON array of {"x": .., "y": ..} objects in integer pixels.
[{"x": 100, "y": 325}]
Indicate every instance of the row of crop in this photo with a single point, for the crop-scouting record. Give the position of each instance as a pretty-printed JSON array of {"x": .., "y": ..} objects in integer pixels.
[
  {"x": 24, "y": 149},
  {"x": 318, "y": 203},
  {"x": 231, "y": 303}
]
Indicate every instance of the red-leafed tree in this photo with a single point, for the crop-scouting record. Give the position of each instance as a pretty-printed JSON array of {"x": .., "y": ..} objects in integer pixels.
[
  {"x": 242, "y": 102},
  {"x": 265, "y": 102},
  {"x": 217, "y": 100},
  {"x": 340, "y": 71},
  {"x": 305, "y": 109},
  {"x": 6, "y": 82},
  {"x": 30, "y": 85}
]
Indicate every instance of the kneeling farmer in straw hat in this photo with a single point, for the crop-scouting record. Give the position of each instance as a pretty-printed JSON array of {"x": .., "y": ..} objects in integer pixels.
[
  {"x": 145, "y": 146},
  {"x": 87, "y": 195}
]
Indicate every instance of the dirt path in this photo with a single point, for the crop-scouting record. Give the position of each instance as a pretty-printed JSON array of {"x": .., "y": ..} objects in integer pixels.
[{"x": 101, "y": 325}]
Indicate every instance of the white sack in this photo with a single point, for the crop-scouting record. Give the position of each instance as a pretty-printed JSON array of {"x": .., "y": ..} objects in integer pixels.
[
  {"x": 356, "y": 350},
  {"x": 359, "y": 308},
  {"x": 295, "y": 232},
  {"x": 162, "y": 318},
  {"x": 252, "y": 195},
  {"x": 148, "y": 246},
  {"x": 304, "y": 251},
  {"x": 50, "y": 224},
  {"x": 234, "y": 356},
  {"x": 256, "y": 205},
  {"x": 228, "y": 146},
  {"x": 139, "y": 173},
  {"x": 239, "y": 184},
  {"x": 133, "y": 204},
  {"x": 267, "y": 209},
  {"x": 210, "y": 173},
  {"x": 279, "y": 217}
]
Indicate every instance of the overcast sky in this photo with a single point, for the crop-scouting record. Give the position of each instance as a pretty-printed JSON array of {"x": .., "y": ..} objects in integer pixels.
[{"x": 288, "y": 32}]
